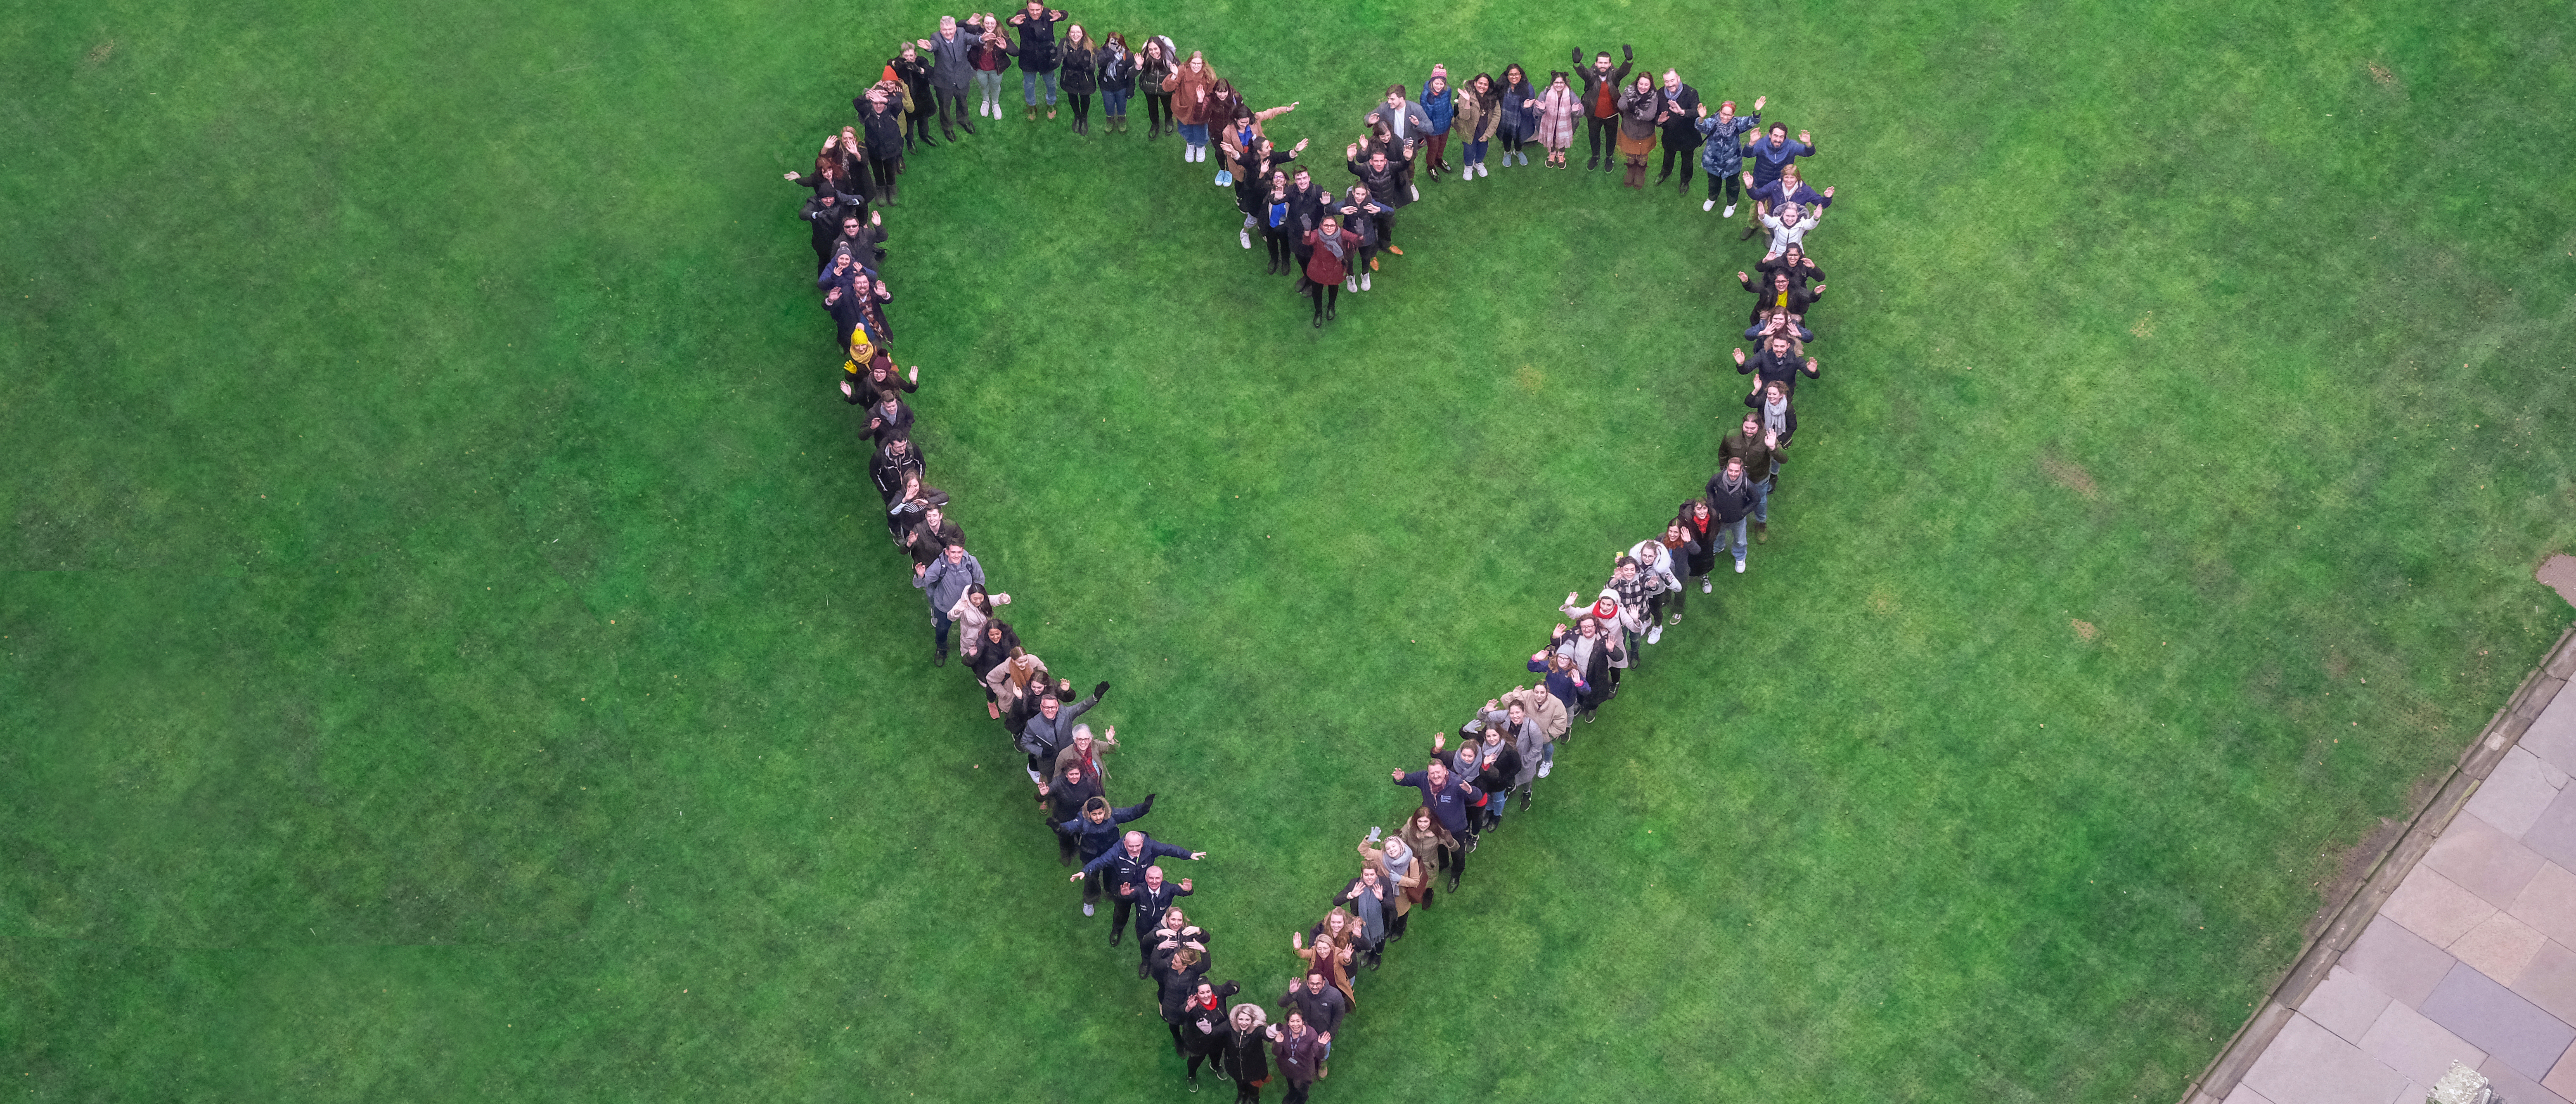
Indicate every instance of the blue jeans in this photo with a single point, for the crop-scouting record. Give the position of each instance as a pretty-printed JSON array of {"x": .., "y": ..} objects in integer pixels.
[
  {"x": 1194, "y": 133},
  {"x": 1029, "y": 86},
  {"x": 1113, "y": 102},
  {"x": 1476, "y": 152},
  {"x": 988, "y": 87},
  {"x": 939, "y": 630},
  {"x": 1762, "y": 501},
  {"x": 1730, "y": 537}
]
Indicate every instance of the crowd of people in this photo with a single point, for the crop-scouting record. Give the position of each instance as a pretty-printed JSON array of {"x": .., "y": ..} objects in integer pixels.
[{"x": 1465, "y": 786}]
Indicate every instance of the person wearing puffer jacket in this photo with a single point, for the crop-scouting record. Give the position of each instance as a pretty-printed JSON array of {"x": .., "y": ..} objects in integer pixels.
[
  {"x": 1440, "y": 106},
  {"x": 1721, "y": 151}
]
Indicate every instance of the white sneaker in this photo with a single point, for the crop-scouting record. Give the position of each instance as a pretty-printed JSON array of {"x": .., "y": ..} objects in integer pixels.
[
  {"x": 1483, "y": 169},
  {"x": 1467, "y": 174},
  {"x": 1351, "y": 284},
  {"x": 1244, "y": 236},
  {"x": 1364, "y": 281},
  {"x": 1729, "y": 212},
  {"x": 1739, "y": 567},
  {"x": 1655, "y": 635},
  {"x": 1543, "y": 768},
  {"x": 1677, "y": 619},
  {"x": 1086, "y": 908},
  {"x": 1416, "y": 190},
  {"x": 1711, "y": 205},
  {"x": 1706, "y": 584},
  {"x": 1034, "y": 780}
]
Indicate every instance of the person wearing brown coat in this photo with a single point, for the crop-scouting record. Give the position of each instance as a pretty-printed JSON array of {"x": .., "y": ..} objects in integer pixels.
[
  {"x": 1299, "y": 1051},
  {"x": 1190, "y": 85},
  {"x": 1334, "y": 250}
]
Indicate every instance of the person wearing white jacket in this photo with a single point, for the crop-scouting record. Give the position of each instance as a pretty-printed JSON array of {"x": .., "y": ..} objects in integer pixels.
[{"x": 1655, "y": 565}]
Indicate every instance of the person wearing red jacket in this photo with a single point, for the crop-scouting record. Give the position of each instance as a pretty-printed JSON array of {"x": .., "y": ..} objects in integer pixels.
[{"x": 1333, "y": 250}]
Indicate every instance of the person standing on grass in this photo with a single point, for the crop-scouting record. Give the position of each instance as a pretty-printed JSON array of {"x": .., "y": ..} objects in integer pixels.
[
  {"x": 1051, "y": 730},
  {"x": 1277, "y": 214},
  {"x": 1779, "y": 418},
  {"x": 1779, "y": 292},
  {"x": 1246, "y": 1058},
  {"x": 1154, "y": 67},
  {"x": 1721, "y": 152},
  {"x": 1176, "y": 973},
  {"x": 1480, "y": 114},
  {"x": 1299, "y": 1052},
  {"x": 1329, "y": 263},
  {"x": 1789, "y": 188},
  {"x": 1383, "y": 179},
  {"x": 971, "y": 614},
  {"x": 946, "y": 580},
  {"x": 1498, "y": 771},
  {"x": 1062, "y": 800},
  {"x": 1363, "y": 216},
  {"x": 897, "y": 458},
  {"x": 1261, "y": 162},
  {"x": 1440, "y": 110},
  {"x": 1117, "y": 65},
  {"x": 1189, "y": 86},
  {"x": 824, "y": 213},
  {"x": 1730, "y": 497},
  {"x": 1701, "y": 525},
  {"x": 990, "y": 57},
  {"x": 952, "y": 70},
  {"x": 1591, "y": 647},
  {"x": 1601, "y": 102},
  {"x": 998, "y": 642},
  {"x": 912, "y": 72},
  {"x": 1449, "y": 800},
  {"x": 1309, "y": 205},
  {"x": 1038, "y": 54},
  {"x": 1084, "y": 751},
  {"x": 1432, "y": 844},
  {"x": 1761, "y": 453},
  {"x": 1770, "y": 154},
  {"x": 882, "y": 120},
  {"x": 1788, "y": 225},
  {"x": 1640, "y": 105},
  {"x": 1546, "y": 715},
  {"x": 927, "y": 539},
  {"x": 910, "y": 507},
  {"x": 1095, "y": 836},
  {"x": 1621, "y": 610},
  {"x": 1173, "y": 930},
  {"x": 1557, "y": 109},
  {"x": 1079, "y": 75},
  {"x": 1153, "y": 900},
  {"x": 1371, "y": 910},
  {"x": 1663, "y": 584},
  {"x": 1517, "y": 115},
  {"x": 1408, "y": 126},
  {"x": 1774, "y": 363},
  {"x": 1126, "y": 865},
  {"x": 1324, "y": 1007},
  {"x": 1331, "y": 948},
  {"x": 1679, "y": 120},
  {"x": 1205, "y": 1030},
  {"x": 1403, "y": 876},
  {"x": 1681, "y": 552}
]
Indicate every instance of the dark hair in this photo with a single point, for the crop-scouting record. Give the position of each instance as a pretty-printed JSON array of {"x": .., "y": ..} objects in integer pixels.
[
  {"x": 1507, "y": 72},
  {"x": 1395, "y": 89},
  {"x": 1781, "y": 127}
]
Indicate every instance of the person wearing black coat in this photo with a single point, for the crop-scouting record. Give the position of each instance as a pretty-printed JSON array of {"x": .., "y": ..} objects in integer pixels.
[
  {"x": 1774, "y": 363},
  {"x": 1117, "y": 80},
  {"x": 889, "y": 416},
  {"x": 1801, "y": 268},
  {"x": 929, "y": 535},
  {"x": 825, "y": 212},
  {"x": 1730, "y": 497},
  {"x": 1307, "y": 203},
  {"x": 1779, "y": 291},
  {"x": 881, "y": 118},
  {"x": 1038, "y": 54},
  {"x": 896, "y": 458},
  {"x": 914, "y": 71},
  {"x": 1064, "y": 797},
  {"x": 1154, "y": 897},
  {"x": 1096, "y": 833},
  {"x": 1601, "y": 103},
  {"x": 1079, "y": 76},
  {"x": 1246, "y": 1057},
  {"x": 1680, "y": 122},
  {"x": 1176, "y": 973},
  {"x": 1206, "y": 1030}
]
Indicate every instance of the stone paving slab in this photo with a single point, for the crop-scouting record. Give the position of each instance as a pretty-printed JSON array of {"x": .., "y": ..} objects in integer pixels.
[
  {"x": 2407, "y": 1041},
  {"x": 2549, "y": 904},
  {"x": 2398, "y": 962},
  {"x": 2477, "y": 857},
  {"x": 2346, "y": 1003},
  {"x": 2563, "y": 1079},
  {"x": 2553, "y": 736},
  {"x": 2521, "y": 788},
  {"x": 2514, "y": 1088},
  {"x": 2553, "y": 835},
  {"x": 2307, "y": 1064},
  {"x": 2499, "y": 948},
  {"x": 2549, "y": 980},
  {"x": 2482, "y": 1011},
  {"x": 2436, "y": 907}
]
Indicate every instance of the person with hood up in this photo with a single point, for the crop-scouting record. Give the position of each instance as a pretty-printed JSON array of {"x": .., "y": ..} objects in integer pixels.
[{"x": 1097, "y": 837}]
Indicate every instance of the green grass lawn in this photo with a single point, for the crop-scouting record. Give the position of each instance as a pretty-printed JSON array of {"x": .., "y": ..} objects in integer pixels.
[{"x": 450, "y": 652}]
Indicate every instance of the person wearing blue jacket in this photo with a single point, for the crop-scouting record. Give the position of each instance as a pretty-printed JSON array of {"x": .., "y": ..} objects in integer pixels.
[
  {"x": 1449, "y": 798},
  {"x": 1125, "y": 866},
  {"x": 1770, "y": 154},
  {"x": 1721, "y": 151},
  {"x": 1440, "y": 106},
  {"x": 1095, "y": 834}
]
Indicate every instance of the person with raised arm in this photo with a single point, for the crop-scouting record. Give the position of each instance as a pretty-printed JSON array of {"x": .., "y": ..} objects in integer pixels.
[
  {"x": 1125, "y": 866},
  {"x": 1601, "y": 102}
]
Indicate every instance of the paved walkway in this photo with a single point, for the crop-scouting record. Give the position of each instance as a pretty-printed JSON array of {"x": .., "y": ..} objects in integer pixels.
[{"x": 2470, "y": 955}]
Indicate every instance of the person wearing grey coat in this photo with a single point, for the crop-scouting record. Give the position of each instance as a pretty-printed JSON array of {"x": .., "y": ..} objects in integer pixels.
[
  {"x": 946, "y": 580},
  {"x": 950, "y": 71},
  {"x": 1052, "y": 729}
]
